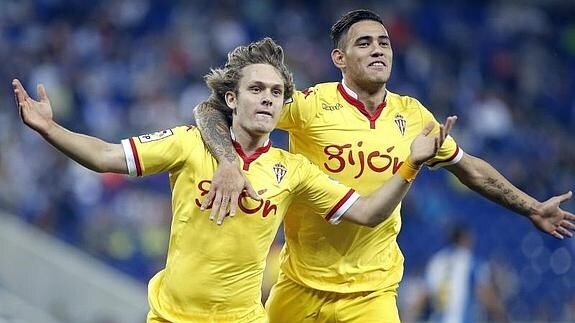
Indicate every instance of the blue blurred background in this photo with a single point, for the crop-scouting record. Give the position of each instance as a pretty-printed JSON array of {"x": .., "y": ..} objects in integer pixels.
[{"x": 126, "y": 67}]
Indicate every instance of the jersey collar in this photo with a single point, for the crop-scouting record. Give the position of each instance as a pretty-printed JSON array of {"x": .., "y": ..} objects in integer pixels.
[
  {"x": 352, "y": 98},
  {"x": 248, "y": 159}
]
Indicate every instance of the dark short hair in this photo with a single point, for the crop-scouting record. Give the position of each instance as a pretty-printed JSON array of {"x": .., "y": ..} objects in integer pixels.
[{"x": 340, "y": 28}]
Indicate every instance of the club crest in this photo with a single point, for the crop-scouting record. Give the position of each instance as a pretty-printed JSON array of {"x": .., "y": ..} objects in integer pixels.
[
  {"x": 400, "y": 123},
  {"x": 280, "y": 172}
]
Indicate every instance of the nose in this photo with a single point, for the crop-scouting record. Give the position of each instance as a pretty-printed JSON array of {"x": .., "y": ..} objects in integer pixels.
[
  {"x": 377, "y": 51},
  {"x": 267, "y": 101},
  {"x": 266, "y": 98}
]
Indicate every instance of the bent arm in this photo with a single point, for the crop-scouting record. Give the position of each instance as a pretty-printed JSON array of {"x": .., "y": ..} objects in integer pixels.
[
  {"x": 215, "y": 131},
  {"x": 379, "y": 205},
  {"x": 229, "y": 181},
  {"x": 375, "y": 208},
  {"x": 90, "y": 152}
]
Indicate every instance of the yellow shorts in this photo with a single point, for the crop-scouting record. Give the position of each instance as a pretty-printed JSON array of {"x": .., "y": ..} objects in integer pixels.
[
  {"x": 290, "y": 302},
  {"x": 258, "y": 315}
]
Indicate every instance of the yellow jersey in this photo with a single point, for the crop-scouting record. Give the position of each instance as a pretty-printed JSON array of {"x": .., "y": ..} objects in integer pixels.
[
  {"x": 218, "y": 270},
  {"x": 332, "y": 128}
]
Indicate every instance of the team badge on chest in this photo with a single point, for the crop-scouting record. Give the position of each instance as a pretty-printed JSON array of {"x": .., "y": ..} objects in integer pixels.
[
  {"x": 400, "y": 123},
  {"x": 280, "y": 172}
]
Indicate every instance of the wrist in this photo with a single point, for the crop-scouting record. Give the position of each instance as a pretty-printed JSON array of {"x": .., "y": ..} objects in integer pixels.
[
  {"x": 408, "y": 170},
  {"x": 48, "y": 131},
  {"x": 229, "y": 161}
]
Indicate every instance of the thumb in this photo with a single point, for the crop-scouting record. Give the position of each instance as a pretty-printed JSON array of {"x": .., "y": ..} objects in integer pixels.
[
  {"x": 251, "y": 192},
  {"x": 42, "y": 93},
  {"x": 565, "y": 197},
  {"x": 428, "y": 128}
]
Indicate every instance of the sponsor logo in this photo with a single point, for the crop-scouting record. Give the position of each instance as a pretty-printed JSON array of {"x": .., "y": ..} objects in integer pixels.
[
  {"x": 245, "y": 203},
  {"x": 334, "y": 107},
  {"x": 158, "y": 135},
  {"x": 340, "y": 157}
]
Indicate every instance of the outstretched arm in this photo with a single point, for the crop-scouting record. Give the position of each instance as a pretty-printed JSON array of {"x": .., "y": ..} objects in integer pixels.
[
  {"x": 378, "y": 206},
  {"x": 90, "y": 152},
  {"x": 229, "y": 180},
  {"x": 482, "y": 178}
]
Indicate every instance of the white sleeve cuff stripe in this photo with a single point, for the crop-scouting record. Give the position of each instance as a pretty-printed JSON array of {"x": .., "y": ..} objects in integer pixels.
[
  {"x": 452, "y": 161},
  {"x": 336, "y": 218},
  {"x": 130, "y": 160}
]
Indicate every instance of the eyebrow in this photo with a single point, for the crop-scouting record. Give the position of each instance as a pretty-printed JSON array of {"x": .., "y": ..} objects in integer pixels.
[
  {"x": 369, "y": 38},
  {"x": 260, "y": 83}
]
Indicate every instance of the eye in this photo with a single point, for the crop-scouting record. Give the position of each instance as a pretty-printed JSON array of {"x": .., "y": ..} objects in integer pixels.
[
  {"x": 363, "y": 44},
  {"x": 255, "y": 89},
  {"x": 384, "y": 44},
  {"x": 277, "y": 92}
]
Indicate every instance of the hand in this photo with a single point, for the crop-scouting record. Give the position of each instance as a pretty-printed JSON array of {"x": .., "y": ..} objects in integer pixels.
[
  {"x": 228, "y": 183},
  {"x": 550, "y": 218},
  {"x": 36, "y": 115},
  {"x": 424, "y": 146}
]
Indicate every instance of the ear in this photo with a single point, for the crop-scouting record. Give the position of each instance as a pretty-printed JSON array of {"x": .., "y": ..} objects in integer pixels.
[
  {"x": 231, "y": 100},
  {"x": 338, "y": 58}
]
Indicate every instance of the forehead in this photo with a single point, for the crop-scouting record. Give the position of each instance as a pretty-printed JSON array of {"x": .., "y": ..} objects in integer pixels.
[
  {"x": 264, "y": 73},
  {"x": 365, "y": 28}
]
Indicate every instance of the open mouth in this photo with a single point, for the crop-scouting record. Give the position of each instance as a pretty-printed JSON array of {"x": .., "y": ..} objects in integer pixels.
[{"x": 377, "y": 64}]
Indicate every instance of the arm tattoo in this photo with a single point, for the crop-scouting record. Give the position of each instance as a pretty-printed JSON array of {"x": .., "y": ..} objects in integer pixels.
[
  {"x": 503, "y": 194},
  {"x": 215, "y": 132}
]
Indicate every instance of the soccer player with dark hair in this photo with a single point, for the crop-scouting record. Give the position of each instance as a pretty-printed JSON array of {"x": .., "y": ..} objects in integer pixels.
[
  {"x": 214, "y": 273},
  {"x": 358, "y": 132}
]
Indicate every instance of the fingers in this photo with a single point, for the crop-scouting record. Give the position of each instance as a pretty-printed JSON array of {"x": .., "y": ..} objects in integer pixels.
[
  {"x": 215, "y": 206},
  {"x": 568, "y": 225},
  {"x": 569, "y": 216},
  {"x": 557, "y": 235},
  {"x": 428, "y": 128},
  {"x": 19, "y": 91},
  {"x": 449, "y": 124},
  {"x": 42, "y": 93},
  {"x": 234, "y": 198},
  {"x": 208, "y": 200},
  {"x": 223, "y": 209},
  {"x": 564, "y": 197},
  {"x": 564, "y": 232},
  {"x": 251, "y": 192}
]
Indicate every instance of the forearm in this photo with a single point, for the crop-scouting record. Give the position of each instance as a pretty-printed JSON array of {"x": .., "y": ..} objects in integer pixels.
[
  {"x": 482, "y": 178},
  {"x": 375, "y": 208},
  {"x": 215, "y": 132},
  {"x": 90, "y": 152}
]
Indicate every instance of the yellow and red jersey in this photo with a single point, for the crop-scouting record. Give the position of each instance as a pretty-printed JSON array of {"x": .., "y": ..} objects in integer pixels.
[
  {"x": 213, "y": 269},
  {"x": 332, "y": 128}
]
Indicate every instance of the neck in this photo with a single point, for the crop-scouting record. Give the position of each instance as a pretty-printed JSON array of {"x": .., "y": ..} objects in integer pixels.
[
  {"x": 371, "y": 95},
  {"x": 249, "y": 142}
]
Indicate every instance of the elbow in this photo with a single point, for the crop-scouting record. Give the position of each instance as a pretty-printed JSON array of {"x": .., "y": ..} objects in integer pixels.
[
  {"x": 377, "y": 219},
  {"x": 371, "y": 223},
  {"x": 372, "y": 220},
  {"x": 99, "y": 167}
]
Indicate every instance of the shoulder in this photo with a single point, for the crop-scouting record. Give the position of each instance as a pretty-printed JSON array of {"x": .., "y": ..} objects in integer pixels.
[
  {"x": 318, "y": 90},
  {"x": 296, "y": 162},
  {"x": 403, "y": 101}
]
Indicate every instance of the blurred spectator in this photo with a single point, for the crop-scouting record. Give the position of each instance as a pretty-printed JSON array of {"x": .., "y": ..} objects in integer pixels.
[
  {"x": 118, "y": 67},
  {"x": 459, "y": 286}
]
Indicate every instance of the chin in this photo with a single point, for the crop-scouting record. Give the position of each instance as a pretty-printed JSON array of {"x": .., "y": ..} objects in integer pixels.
[{"x": 263, "y": 130}]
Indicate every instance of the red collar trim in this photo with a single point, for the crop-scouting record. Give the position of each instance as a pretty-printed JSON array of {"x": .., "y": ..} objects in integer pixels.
[
  {"x": 351, "y": 98},
  {"x": 249, "y": 159}
]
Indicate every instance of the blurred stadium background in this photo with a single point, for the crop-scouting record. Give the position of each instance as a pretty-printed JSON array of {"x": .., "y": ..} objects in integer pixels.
[{"x": 125, "y": 67}]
